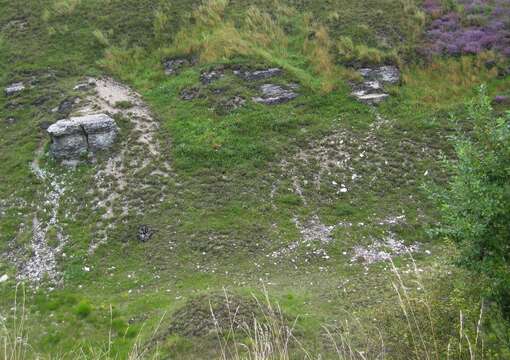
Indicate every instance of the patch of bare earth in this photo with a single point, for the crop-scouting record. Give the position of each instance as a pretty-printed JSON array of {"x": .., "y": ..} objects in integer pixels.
[
  {"x": 341, "y": 164},
  {"x": 140, "y": 151}
]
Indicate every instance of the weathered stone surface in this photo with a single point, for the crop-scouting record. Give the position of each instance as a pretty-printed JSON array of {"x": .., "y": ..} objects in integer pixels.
[
  {"x": 14, "y": 88},
  {"x": 77, "y": 136},
  {"x": 145, "y": 233},
  {"x": 84, "y": 86},
  {"x": 173, "y": 66},
  {"x": 258, "y": 74},
  {"x": 230, "y": 104},
  {"x": 371, "y": 90},
  {"x": 384, "y": 74},
  {"x": 66, "y": 106},
  {"x": 274, "y": 94},
  {"x": 207, "y": 77},
  {"x": 191, "y": 93}
]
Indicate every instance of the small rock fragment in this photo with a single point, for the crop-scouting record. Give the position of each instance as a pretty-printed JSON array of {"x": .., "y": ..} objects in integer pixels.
[
  {"x": 66, "y": 106},
  {"x": 274, "y": 94},
  {"x": 4, "y": 278},
  {"x": 371, "y": 90},
  {"x": 258, "y": 74},
  {"x": 10, "y": 120},
  {"x": 231, "y": 104},
  {"x": 145, "y": 233},
  {"x": 208, "y": 77},
  {"x": 190, "y": 94},
  {"x": 173, "y": 66},
  {"x": 14, "y": 88}
]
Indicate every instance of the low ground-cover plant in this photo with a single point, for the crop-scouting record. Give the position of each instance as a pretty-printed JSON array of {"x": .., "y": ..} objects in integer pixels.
[{"x": 468, "y": 27}]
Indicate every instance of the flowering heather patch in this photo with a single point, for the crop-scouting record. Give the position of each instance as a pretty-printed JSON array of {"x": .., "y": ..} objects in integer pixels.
[{"x": 476, "y": 26}]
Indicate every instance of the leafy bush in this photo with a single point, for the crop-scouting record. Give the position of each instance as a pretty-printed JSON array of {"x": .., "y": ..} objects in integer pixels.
[{"x": 475, "y": 204}]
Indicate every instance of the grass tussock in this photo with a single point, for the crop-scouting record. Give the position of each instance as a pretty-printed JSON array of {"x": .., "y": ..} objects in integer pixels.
[
  {"x": 65, "y": 7},
  {"x": 445, "y": 81},
  {"x": 419, "y": 322},
  {"x": 271, "y": 335},
  {"x": 214, "y": 36},
  {"x": 13, "y": 332},
  {"x": 101, "y": 38}
]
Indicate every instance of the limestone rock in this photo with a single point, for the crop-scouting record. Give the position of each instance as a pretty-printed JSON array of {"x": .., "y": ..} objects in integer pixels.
[
  {"x": 371, "y": 90},
  {"x": 145, "y": 233},
  {"x": 173, "y": 66},
  {"x": 191, "y": 94},
  {"x": 384, "y": 74},
  {"x": 274, "y": 94},
  {"x": 75, "y": 137},
  {"x": 14, "y": 88},
  {"x": 207, "y": 77},
  {"x": 258, "y": 74}
]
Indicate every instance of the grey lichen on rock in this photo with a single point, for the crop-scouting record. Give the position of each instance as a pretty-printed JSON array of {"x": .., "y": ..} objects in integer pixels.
[
  {"x": 14, "y": 88},
  {"x": 73, "y": 138},
  {"x": 275, "y": 94},
  {"x": 371, "y": 90}
]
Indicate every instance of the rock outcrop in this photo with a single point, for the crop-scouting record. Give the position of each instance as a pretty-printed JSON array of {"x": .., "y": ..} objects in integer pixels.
[
  {"x": 274, "y": 94},
  {"x": 258, "y": 74},
  {"x": 371, "y": 90},
  {"x": 75, "y": 137},
  {"x": 174, "y": 66}
]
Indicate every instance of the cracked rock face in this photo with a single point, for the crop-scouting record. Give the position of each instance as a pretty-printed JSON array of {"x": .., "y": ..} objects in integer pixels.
[
  {"x": 274, "y": 94},
  {"x": 258, "y": 74},
  {"x": 371, "y": 90},
  {"x": 72, "y": 138}
]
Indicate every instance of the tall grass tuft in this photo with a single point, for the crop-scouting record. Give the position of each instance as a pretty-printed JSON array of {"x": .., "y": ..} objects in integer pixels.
[
  {"x": 421, "y": 331},
  {"x": 213, "y": 36},
  {"x": 65, "y": 7},
  {"x": 13, "y": 333},
  {"x": 266, "y": 338},
  {"x": 101, "y": 38}
]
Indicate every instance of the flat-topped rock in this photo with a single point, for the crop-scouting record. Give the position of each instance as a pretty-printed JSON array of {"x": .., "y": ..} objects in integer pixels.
[
  {"x": 14, "y": 88},
  {"x": 75, "y": 137},
  {"x": 384, "y": 74},
  {"x": 258, "y": 74},
  {"x": 274, "y": 94},
  {"x": 371, "y": 90}
]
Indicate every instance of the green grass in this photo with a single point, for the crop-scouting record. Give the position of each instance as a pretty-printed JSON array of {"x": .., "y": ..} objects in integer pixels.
[{"x": 217, "y": 224}]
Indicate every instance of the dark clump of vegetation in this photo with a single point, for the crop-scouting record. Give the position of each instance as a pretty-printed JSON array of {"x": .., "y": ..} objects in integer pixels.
[{"x": 475, "y": 204}]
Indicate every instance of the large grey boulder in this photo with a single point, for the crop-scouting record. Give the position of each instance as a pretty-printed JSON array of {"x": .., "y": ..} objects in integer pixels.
[{"x": 75, "y": 137}]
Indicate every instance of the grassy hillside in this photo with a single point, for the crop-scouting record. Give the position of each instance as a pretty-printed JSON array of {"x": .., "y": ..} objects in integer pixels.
[{"x": 296, "y": 200}]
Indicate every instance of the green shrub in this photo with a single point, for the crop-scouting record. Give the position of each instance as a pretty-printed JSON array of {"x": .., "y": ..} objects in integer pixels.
[{"x": 475, "y": 204}]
